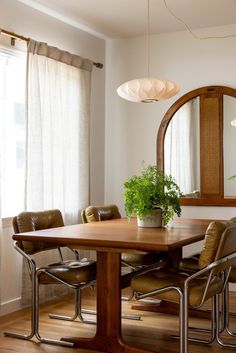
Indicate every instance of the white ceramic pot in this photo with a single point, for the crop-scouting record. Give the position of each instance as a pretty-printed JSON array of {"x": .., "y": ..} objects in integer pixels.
[{"x": 152, "y": 221}]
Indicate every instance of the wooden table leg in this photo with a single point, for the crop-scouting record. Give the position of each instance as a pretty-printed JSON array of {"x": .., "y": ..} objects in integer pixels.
[{"x": 108, "y": 336}]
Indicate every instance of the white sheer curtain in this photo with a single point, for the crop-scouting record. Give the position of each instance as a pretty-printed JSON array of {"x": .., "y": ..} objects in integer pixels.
[
  {"x": 57, "y": 157},
  {"x": 57, "y": 174},
  {"x": 181, "y": 143}
]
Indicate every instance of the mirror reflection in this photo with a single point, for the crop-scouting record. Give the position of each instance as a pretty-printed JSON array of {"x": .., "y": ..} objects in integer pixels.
[
  {"x": 182, "y": 147},
  {"x": 229, "y": 140}
]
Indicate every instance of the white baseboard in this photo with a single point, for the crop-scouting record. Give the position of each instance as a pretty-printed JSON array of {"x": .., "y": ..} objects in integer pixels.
[{"x": 10, "y": 306}]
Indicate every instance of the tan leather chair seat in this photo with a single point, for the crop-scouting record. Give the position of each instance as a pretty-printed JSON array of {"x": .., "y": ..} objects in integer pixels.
[
  {"x": 193, "y": 289},
  {"x": 190, "y": 263},
  {"x": 142, "y": 259},
  {"x": 72, "y": 273},
  {"x": 154, "y": 280}
]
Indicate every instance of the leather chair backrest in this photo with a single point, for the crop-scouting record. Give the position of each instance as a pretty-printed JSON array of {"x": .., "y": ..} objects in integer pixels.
[
  {"x": 212, "y": 240},
  {"x": 227, "y": 246},
  {"x": 227, "y": 243},
  {"x": 83, "y": 216},
  {"x": 100, "y": 213},
  {"x": 31, "y": 221}
]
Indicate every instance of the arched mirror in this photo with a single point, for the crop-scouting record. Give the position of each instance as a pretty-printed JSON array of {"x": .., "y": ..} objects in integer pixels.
[{"x": 196, "y": 144}]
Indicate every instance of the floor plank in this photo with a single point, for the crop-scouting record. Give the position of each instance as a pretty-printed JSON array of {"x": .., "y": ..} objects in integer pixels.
[{"x": 152, "y": 332}]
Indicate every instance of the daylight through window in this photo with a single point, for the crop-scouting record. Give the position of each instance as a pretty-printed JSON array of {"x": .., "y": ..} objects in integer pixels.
[{"x": 12, "y": 129}]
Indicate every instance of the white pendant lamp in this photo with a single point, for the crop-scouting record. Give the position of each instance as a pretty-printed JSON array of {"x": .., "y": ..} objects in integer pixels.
[
  {"x": 147, "y": 90},
  {"x": 233, "y": 123}
]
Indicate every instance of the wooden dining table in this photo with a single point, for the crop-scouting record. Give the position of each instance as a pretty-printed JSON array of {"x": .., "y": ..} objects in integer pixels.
[{"x": 109, "y": 239}]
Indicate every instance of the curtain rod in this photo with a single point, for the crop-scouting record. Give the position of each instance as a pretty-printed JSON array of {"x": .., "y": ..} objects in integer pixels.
[{"x": 17, "y": 36}]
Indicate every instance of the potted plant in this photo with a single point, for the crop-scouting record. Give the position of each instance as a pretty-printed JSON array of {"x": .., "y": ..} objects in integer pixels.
[{"x": 152, "y": 192}]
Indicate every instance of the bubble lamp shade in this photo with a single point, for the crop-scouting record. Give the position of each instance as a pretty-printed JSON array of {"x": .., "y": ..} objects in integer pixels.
[
  {"x": 233, "y": 123},
  {"x": 147, "y": 90}
]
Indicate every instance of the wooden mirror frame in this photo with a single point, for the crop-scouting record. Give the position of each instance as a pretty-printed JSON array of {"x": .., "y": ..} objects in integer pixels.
[{"x": 212, "y": 185}]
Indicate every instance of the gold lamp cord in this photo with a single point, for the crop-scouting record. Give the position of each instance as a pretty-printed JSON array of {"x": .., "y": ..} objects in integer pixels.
[
  {"x": 191, "y": 31},
  {"x": 148, "y": 20}
]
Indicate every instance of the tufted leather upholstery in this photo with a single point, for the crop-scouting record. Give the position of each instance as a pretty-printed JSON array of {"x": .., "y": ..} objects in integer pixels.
[
  {"x": 211, "y": 242},
  {"x": 101, "y": 213},
  {"x": 159, "y": 279},
  {"x": 155, "y": 280},
  {"x": 190, "y": 263},
  {"x": 105, "y": 213},
  {"x": 75, "y": 273},
  {"x": 31, "y": 221},
  {"x": 227, "y": 245},
  {"x": 193, "y": 290},
  {"x": 72, "y": 271},
  {"x": 232, "y": 276}
]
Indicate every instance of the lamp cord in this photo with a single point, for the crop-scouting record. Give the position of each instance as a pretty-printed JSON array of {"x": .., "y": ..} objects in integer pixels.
[
  {"x": 148, "y": 24},
  {"x": 190, "y": 30}
]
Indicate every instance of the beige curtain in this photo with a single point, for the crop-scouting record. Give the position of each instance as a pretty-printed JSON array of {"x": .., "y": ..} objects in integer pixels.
[{"x": 57, "y": 153}]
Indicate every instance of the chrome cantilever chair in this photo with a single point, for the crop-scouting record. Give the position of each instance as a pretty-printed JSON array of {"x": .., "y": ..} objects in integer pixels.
[
  {"x": 227, "y": 314},
  {"x": 73, "y": 273},
  {"x": 223, "y": 341},
  {"x": 191, "y": 264},
  {"x": 193, "y": 290},
  {"x": 133, "y": 261}
]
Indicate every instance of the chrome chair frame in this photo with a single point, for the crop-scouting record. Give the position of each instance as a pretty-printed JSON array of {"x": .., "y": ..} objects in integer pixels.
[
  {"x": 184, "y": 304},
  {"x": 34, "y": 273},
  {"x": 78, "y": 311},
  {"x": 226, "y": 314}
]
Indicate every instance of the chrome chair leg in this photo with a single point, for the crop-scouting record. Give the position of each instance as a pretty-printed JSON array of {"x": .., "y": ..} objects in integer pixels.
[
  {"x": 218, "y": 331},
  {"x": 212, "y": 330},
  {"x": 37, "y": 334},
  {"x": 33, "y": 311},
  {"x": 183, "y": 314},
  {"x": 123, "y": 316},
  {"x": 77, "y": 312},
  {"x": 183, "y": 324},
  {"x": 228, "y": 314}
]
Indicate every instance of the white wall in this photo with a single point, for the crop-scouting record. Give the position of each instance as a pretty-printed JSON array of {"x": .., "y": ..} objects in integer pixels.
[
  {"x": 131, "y": 128},
  {"x": 11, "y": 271},
  {"x": 21, "y": 19}
]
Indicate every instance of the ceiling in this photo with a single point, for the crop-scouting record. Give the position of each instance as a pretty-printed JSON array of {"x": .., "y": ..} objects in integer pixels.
[{"x": 128, "y": 18}]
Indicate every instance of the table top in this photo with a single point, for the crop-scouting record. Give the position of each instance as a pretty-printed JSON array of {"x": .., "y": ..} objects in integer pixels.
[{"x": 121, "y": 235}]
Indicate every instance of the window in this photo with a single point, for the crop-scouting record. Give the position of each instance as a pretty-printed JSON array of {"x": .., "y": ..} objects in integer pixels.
[{"x": 12, "y": 129}]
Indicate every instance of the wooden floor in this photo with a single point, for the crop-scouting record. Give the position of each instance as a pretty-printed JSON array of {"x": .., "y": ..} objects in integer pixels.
[{"x": 152, "y": 332}]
